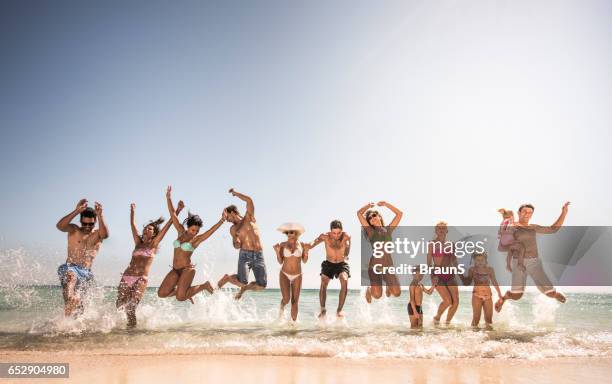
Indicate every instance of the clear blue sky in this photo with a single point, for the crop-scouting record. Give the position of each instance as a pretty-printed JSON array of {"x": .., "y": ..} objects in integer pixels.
[{"x": 447, "y": 109}]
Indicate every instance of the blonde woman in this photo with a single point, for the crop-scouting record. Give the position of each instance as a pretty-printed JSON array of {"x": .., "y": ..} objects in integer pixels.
[{"x": 290, "y": 255}]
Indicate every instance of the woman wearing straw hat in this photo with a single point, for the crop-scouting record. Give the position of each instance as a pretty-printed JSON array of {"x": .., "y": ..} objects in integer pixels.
[{"x": 291, "y": 254}]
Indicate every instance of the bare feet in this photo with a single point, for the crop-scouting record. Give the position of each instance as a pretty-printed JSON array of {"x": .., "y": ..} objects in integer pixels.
[
  {"x": 208, "y": 287},
  {"x": 436, "y": 321},
  {"x": 223, "y": 280},
  {"x": 239, "y": 294},
  {"x": 368, "y": 295},
  {"x": 559, "y": 296},
  {"x": 322, "y": 314},
  {"x": 340, "y": 315}
]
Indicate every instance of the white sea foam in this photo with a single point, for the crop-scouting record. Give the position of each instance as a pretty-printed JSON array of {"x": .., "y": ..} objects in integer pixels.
[{"x": 534, "y": 327}]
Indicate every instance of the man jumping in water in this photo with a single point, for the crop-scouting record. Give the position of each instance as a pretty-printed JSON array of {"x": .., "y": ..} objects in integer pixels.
[
  {"x": 245, "y": 237},
  {"x": 526, "y": 234},
  {"x": 337, "y": 248},
  {"x": 83, "y": 246}
]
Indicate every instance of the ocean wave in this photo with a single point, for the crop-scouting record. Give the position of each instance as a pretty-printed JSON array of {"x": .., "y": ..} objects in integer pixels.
[{"x": 534, "y": 328}]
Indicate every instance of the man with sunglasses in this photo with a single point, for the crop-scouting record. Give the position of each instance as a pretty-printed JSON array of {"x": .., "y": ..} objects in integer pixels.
[
  {"x": 83, "y": 245},
  {"x": 245, "y": 237}
]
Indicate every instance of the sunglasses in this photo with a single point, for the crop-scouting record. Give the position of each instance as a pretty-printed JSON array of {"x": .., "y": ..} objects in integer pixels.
[
  {"x": 290, "y": 233},
  {"x": 88, "y": 224},
  {"x": 373, "y": 215}
]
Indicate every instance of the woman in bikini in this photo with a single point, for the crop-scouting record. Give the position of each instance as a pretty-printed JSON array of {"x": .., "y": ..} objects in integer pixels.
[
  {"x": 440, "y": 255},
  {"x": 375, "y": 230},
  {"x": 134, "y": 279},
  {"x": 291, "y": 254},
  {"x": 178, "y": 280},
  {"x": 482, "y": 297}
]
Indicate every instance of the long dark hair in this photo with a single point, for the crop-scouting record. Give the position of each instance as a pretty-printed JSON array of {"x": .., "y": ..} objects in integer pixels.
[
  {"x": 155, "y": 224},
  {"x": 192, "y": 219}
]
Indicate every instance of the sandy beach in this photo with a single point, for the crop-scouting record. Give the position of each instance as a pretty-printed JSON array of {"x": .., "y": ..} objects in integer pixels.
[{"x": 187, "y": 368}]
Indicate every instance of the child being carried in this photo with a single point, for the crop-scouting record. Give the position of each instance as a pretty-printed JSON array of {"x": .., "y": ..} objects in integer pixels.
[{"x": 507, "y": 240}]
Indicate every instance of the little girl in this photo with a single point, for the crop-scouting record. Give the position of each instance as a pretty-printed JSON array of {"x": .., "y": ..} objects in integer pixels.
[
  {"x": 415, "y": 311},
  {"x": 482, "y": 301},
  {"x": 507, "y": 242}
]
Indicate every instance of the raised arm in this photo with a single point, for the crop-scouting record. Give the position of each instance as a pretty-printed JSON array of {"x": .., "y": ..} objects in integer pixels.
[
  {"x": 556, "y": 225},
  {"x": 173, "y": 217},
  {"x": 166, "y": 226},
  {"x": 102, "y": 230},
  {"x": 361, "y": 214},
  {"x": 250, "y": 207},
  {"x": 135, "y": 234},
  {"x": 398, "y": 214},
  {"x": 200, "y": 238},
  {"x": 64, "y": 224}
]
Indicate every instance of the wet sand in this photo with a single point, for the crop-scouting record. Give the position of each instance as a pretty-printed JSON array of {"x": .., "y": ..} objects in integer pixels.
[{"x": 93, "y": 368}]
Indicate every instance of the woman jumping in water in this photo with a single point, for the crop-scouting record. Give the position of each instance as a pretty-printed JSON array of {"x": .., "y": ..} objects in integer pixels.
[
  {"x": 482, "y": 296},
  {"x": 178, "y": 280},
  {"x": 291, "y": 254},
  {"x": 376, "y": 231},
  {"x": 134, "y": 279},
  {"x": 440, "y": 254}
]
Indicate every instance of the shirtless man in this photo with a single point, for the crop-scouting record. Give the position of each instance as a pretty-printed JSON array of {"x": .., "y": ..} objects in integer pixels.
[
  {"x": 337, "y": 248},
  {"x": 532, "y": 264},
  {"x": 83, "y": 246},
  {"x": 245, "y": 237}
]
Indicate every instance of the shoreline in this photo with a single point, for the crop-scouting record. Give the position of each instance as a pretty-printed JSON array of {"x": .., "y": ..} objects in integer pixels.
[{"x": 146, "y": 368}]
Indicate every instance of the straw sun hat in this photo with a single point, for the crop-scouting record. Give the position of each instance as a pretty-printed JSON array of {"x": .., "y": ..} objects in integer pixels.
[{"x": 291, "y": 227}]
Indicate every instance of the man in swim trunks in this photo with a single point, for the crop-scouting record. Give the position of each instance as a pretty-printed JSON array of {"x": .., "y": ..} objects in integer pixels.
[
  {"x": 245, "y": 237},
  {"x": 337, "y": 248},
  {"x": 83, "y": 245},
  {"x": 526, "y": 233}
]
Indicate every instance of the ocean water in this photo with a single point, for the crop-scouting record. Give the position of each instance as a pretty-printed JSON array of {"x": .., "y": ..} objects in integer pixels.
[{"x": 536, "y": 327}]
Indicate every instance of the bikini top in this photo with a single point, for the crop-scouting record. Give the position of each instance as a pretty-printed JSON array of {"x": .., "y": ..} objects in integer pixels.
[
  {"x": 186, "y": 246},
  {"x": 481, "y": 277},
  {"x": 144, "y": 252},
  {"x": 296, "y": 253}
]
